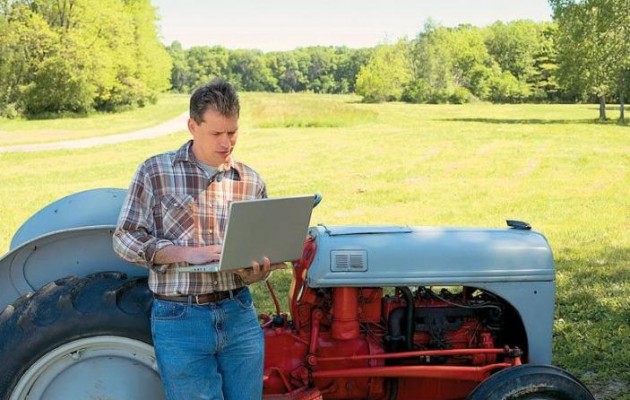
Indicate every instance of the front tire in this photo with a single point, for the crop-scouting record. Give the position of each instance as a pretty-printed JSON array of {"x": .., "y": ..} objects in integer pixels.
[
  {"x": 531, "y": 382},
  {"x": 80, "y": 338}
]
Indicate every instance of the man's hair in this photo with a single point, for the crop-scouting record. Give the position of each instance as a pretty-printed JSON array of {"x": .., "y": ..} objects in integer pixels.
[{"x": 218, "y": 95}]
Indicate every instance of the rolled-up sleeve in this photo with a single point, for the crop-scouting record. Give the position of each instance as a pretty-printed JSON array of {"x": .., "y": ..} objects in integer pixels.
[{"x": 134, "y": 238}]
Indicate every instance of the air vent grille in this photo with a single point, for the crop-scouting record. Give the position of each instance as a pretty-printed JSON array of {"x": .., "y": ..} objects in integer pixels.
[{"x": 348, "y": 260}]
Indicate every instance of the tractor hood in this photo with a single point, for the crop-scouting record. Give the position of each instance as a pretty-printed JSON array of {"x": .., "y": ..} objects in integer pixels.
[{"x": 397, "y": 255}]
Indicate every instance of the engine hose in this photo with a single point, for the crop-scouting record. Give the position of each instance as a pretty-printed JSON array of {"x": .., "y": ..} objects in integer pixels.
[
  {"x": 410, "y": 311},
  {"x": 393, "y": 392}
]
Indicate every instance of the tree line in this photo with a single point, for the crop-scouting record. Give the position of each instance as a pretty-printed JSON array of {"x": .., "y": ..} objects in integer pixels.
[
  {"x": 583, "y": 56},
  {"x": 79, "y": 55},
  {"x": 316, "y": 69},
  {"x": 514, "y": 62}
]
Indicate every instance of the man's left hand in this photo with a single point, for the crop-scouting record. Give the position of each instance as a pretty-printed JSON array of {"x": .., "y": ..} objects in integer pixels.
[{"x": 258, "y": 272}]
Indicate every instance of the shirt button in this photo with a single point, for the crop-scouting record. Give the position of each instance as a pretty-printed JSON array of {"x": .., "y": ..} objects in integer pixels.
[{"x": 215, "y": 283}]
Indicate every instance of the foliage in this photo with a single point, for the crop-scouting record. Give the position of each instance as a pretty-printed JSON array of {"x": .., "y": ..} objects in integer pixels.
[
  {"x": 600, "y": 65},
  {"x": 513, "y": 47},
  {"x": 249, "y": 71},
  {"x": 544, "y": 79},
  {"x": 315, "y": 69},
  {"x": 506, "y": 88},
  {"x": 386, "y": 73},
  {"x": 60, "y": 56},
  {"x": 505, "y": 62},
  {"x": 77, "y": 55},
  {"x": 433, "y": 67}
]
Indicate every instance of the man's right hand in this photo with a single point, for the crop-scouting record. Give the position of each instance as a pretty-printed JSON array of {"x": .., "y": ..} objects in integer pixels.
[
  {"x": 203, "y": 255},
  {"x": 192, "y": 255}
]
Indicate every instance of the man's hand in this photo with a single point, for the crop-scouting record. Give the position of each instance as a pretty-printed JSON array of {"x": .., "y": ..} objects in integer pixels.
[
  {"x": 203, "y": 255},
  {"x": 191, "y": 255},
  {"x": 258, "y": 272}
]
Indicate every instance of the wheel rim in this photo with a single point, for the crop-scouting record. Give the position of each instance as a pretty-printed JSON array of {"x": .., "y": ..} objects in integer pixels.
[
  {"x": 538, "y": 396},
  {"x": 110, "y": 367}
]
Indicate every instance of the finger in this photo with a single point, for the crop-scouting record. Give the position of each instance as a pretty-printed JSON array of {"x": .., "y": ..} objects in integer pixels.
[
  {"x": 266, "y": 264},
  {"x": 255, "y": 267}
]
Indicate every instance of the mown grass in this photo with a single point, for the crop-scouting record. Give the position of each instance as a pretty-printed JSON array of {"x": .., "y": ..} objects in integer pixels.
[
  {"x": 25, "y": 131},
  {"x": 277, "y": 110},
  {"x": 472, "y": 165}
]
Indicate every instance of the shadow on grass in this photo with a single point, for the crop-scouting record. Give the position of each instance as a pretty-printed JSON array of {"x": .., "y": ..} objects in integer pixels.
[
  {"x": 535, "y": 121},
  {"x": 590, "y": 341},
  {"x": 606, "y": 268}
]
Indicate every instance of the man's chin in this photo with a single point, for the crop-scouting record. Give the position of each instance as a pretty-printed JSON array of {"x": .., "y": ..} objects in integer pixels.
[{"x": 226, "y": 161}]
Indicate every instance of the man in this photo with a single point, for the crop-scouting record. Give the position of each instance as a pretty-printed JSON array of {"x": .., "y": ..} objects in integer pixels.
[{"x": 206, "y": 334}]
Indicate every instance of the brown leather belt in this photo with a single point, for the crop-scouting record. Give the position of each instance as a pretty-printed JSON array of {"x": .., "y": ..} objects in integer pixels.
[{"x": 201, "y": 299}]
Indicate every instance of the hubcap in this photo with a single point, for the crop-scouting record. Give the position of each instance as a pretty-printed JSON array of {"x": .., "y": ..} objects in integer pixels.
[{"x": 100, "y": 367}]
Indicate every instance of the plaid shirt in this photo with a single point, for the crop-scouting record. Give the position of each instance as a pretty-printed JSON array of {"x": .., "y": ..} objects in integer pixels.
[{"x": 171, "y": 201}]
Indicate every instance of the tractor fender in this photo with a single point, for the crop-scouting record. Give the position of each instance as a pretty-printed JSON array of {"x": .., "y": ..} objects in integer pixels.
[{"x": 69, "y": 237}]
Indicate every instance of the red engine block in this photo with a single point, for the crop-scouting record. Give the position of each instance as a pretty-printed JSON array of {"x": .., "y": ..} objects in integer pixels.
[{"x": 353, "y": 343}]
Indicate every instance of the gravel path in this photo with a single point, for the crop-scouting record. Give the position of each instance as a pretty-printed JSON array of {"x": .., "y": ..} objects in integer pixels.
[{"x": 176, "y": 124}]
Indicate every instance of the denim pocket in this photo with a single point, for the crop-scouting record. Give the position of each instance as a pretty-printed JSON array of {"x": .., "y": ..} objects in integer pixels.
[
  {"x": 244, "y": 299},
  {"x": 164, "y": 310}
]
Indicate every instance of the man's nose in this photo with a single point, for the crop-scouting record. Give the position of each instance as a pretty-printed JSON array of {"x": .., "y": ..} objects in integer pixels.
[{"x": 224, "y": 141}]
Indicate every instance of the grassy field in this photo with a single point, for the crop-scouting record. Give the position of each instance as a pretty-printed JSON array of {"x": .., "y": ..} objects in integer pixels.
[
  {"x": 14, "y": 132},
  {"x": 471, "y": 165}
]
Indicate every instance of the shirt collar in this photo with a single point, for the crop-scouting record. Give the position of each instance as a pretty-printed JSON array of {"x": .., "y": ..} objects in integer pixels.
[{"x": 185, "y": 154}]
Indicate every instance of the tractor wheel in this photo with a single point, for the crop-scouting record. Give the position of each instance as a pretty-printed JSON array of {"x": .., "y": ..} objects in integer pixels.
[
  {"x": 531, "y": 382},
  {"x": 78, "y": 338}
]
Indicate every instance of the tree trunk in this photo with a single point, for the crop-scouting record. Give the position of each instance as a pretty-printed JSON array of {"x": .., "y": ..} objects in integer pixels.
[
  {"x": 622, "y": 117},
  {"x": 602, "y": 108}
]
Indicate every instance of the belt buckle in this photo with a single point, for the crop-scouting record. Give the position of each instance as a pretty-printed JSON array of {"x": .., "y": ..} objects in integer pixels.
[{"x": 197, "y": 301}]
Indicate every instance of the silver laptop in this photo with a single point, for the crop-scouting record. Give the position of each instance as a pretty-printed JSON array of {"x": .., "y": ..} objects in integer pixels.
[{"x": 275, "y": 228}]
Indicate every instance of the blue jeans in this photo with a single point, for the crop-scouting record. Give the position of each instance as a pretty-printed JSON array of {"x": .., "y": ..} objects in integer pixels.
[{"x": 211, "y": 352}]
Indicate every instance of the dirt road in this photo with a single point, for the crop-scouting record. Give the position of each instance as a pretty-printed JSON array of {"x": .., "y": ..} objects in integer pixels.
[{"x": 174, "y": 125}]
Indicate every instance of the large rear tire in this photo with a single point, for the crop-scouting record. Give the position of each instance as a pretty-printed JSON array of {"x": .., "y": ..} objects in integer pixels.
[
  {"x": 80, "y": 338},
  {"x": 531, "y": 382}
]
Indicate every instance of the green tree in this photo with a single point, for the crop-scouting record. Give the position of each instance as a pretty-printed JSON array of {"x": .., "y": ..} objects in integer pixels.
[
  {"x": 593, "y": 48},
  {"x": 544, "y": 79},
  {"x": 206, "y": 63},
  {"x": 323, "y": 62},
  {"x": 249, "y": 71},
  {"x": 180, "y": 74},
  {"x": 387, "y": 73},
  {"x": 38, "y": 64},
  {"x": 76, "y": 55},
  {"x": 450, "y": 65},
  {"x": 152, "y": 67},
  {"x": 349, "y": 64},
  {"x": 471, "y": 64},
  {"x": 432, "y": 64},
  {"x": 285, "y": 66},
  {"x": 513, "y": 46}
]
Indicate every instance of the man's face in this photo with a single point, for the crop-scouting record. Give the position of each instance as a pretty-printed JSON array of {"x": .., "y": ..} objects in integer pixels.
[{"x": 214, "y": 138}]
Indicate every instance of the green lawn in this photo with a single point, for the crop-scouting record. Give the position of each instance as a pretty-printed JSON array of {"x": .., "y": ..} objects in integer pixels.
[
  {"x": 470, "y": 165},
  {"x": 21, "y": 131}
]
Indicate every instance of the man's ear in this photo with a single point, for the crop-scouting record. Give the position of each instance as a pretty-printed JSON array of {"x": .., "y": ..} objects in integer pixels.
[{"x": 192, "y": 126}]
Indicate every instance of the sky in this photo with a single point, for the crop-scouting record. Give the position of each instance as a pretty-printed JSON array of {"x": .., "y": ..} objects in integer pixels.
[{"x": 280, "y": 25}]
